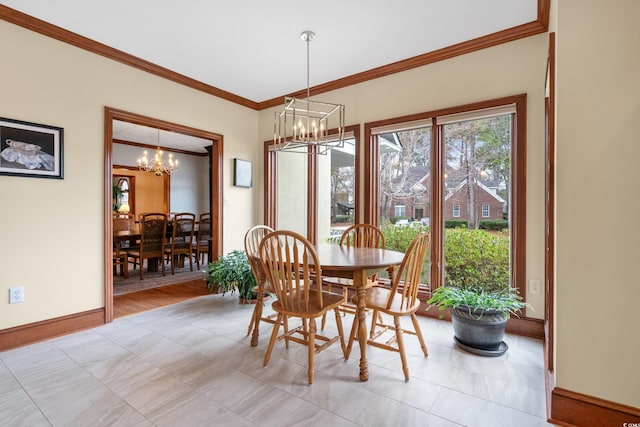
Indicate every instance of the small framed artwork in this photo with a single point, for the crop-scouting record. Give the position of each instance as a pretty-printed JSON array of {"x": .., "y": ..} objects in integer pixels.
[
  {"x": 30, "y": 149},
  {"x": 243, "y": 173}
]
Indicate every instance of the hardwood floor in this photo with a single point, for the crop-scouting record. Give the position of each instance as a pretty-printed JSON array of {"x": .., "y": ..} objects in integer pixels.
[{"x": 136, "y": 302}]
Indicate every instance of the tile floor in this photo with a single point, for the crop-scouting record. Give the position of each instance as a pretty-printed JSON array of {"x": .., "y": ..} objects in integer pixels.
[{"x": 191, "y": 364}]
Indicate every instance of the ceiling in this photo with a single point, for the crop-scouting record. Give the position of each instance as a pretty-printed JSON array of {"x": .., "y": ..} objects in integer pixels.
[
  {"x": 130, "y": 132},
  {"x": 253, "y": 49}
]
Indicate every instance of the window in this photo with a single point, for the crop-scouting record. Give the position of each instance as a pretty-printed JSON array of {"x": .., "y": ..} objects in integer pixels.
[
  {"x": 399, "y": 211},
  {"x": 463, "y": 157},
  {"x": 314, "y": 195}
]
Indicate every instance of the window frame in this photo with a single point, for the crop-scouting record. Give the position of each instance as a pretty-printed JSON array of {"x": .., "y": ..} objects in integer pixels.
[
  {"x": 488, "y": 214},
  {"x": 456, "y": 211},
  {"x": 271, "y": 184},
  {"x": 517, "y": 206}
]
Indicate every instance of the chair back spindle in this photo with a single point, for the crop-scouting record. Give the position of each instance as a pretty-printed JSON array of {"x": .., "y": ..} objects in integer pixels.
[
  {"x": 410, "y": 272},
  {"x": 291, "y": 266}
]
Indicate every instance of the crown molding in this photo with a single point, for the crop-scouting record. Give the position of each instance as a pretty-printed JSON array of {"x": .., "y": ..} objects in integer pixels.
[{"x": 540, "y": 25}]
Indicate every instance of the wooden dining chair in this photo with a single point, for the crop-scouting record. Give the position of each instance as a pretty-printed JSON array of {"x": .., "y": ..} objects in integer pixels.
[
  {"x": 201, "y": 243},
  {"x": 153, "y": 230},
  {"x": 357, "y": 236},
  {"x": 400, "y": 300},
  {"x": 182, "y": 238},
  {"x": 292, "y": 268},
  {"x": 122, "y": 222},
  {"x": 252, "y": 239}
]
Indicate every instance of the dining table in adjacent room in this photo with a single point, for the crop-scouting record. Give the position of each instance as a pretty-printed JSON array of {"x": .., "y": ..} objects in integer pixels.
[{"x": 357, "y": 264}]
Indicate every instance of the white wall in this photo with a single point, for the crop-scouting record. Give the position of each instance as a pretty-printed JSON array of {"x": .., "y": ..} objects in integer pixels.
[
  {"x": 53, "y": 234},
  {"x": 598, "y": 152},
  {"x": 509, "y": 69}
]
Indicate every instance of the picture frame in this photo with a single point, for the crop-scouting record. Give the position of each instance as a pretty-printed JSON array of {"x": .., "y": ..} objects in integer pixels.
[
  {"x": 243, "y": 173},
  {"x": 31, "y": 149}
]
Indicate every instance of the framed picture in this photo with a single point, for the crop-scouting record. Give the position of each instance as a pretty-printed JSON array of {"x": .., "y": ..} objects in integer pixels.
[
  {"x": 243, "y": 176},
  {"x": 30, "y": 149}
]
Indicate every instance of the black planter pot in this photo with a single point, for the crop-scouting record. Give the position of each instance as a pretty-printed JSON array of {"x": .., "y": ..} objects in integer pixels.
[{"x": 479, "y": 332}]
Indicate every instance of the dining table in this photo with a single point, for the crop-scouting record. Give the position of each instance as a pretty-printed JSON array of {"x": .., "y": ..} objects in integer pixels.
[{"x": 356, "y": 264}]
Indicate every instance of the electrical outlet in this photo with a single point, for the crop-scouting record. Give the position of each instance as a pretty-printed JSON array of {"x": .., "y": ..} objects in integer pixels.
[
  {"x": 16, "y": 295},
  {"x": 534, "y": 286}
]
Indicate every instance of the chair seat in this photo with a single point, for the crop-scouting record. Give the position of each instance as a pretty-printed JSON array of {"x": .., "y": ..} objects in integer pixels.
[
  {"x": 377, "y": 298},
  {"x": 329, "y": 302},
  {"x": 183, "y": 247},
  {"x": 136, "y": 253}
]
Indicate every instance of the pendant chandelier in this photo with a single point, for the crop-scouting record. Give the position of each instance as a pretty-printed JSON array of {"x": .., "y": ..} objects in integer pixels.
[
  {"x": 303, "y": 125},
  {"x": 158, "y": 166}
]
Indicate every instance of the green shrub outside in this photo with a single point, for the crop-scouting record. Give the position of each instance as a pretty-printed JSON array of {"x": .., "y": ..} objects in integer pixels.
[
  {"x": 343, "y": 218},
  {"x": 494, "y": 224},
  {"x": 473, "y": 258},
  {"x": 456, "y": 223},
  {"x": 399, "y": 239},
  {"x": 476, "y": 259},
  {"x": 396, "y": 219}
]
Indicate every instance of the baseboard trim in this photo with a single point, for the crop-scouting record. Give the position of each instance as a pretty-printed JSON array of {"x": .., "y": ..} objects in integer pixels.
[
  {"x": 39, "y": 331},
  {"x": 569, "y": 408}
]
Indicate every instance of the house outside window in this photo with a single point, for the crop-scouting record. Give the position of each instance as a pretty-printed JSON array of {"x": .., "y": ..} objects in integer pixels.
[
  {"x": 485, "y": 211},
  {"x": 456, "y": 211},
  {"x": 400, "y": 211}
]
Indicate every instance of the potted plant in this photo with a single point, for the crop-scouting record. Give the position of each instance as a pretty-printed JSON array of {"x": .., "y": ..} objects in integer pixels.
[
  {"x": 231, "y": 273},
  {"x": 478, "y": 315}
]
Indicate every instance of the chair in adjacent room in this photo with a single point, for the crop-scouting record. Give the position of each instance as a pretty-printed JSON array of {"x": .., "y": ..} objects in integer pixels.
[
  {"x": 153, "y": 230},
  {"x": 122, "y": 222},
  {"x": 252, "y": 239},
  {"x": 200, "y": 246},
  {"x": 293, "y": 269},
  {"x": 182, "y": 238},
  {"x": 400, "y": 300}
]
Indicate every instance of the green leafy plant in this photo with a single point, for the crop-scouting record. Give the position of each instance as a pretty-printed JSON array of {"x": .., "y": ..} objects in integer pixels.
[
  {"x": 477, "y": 301},
  {"x": 231, "y": 273}
]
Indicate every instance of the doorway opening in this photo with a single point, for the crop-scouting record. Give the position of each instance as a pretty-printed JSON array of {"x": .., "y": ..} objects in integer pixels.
[{"x": 214, "y": 183}]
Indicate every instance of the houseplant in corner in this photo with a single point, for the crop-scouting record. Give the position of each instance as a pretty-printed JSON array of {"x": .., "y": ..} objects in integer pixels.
[
  {"x": 231, "y": 273},
  {"x": 479, "y": 316}
]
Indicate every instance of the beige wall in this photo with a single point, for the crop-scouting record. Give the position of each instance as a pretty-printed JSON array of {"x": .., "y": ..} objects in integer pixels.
[
  {"x": 509, "y": 69},
  {"x": 52, "y": 235},
  {"x": 598, "y": 152},
  {"x": 57, "y": 255}
]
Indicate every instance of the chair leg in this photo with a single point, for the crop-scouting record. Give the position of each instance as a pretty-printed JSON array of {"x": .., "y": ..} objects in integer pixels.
[
  {"x": 285, "y": 325},
  {"x": 340, "y": 331},
  {"x": 252, "y": 321},
  {"x": 416, "y": 326},
  {"x": 400, "y": 339},
  {"x": 352, "y": 336},
  {"x": 311, "y": 342},
  {"x": 125, "y": 266},
  {"x": 272, "y": 341},
  {"x": 376, "y": 320}
]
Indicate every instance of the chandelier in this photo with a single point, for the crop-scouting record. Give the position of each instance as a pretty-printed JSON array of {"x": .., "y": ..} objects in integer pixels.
[
  {"x": 158, "y": 166},
  {"x": 303, "y": 125}
]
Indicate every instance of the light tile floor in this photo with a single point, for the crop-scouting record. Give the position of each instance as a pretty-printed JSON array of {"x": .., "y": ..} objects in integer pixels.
[{"x": 191, "y": 364}]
